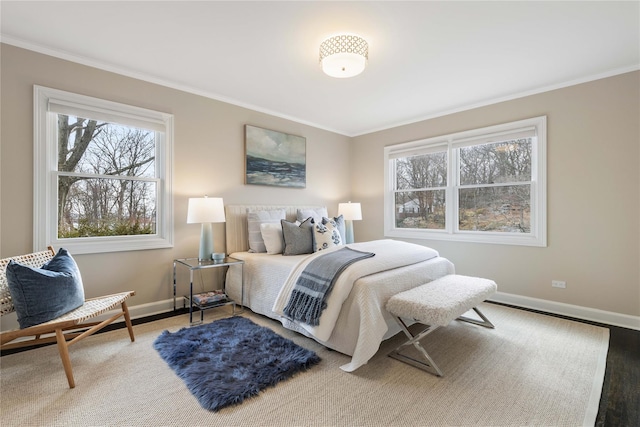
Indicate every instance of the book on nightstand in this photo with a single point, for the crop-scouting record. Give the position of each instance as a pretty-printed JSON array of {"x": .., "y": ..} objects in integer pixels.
[{"x": 206, "y": 298}]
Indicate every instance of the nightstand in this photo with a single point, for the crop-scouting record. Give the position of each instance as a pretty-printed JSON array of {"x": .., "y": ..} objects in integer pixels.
[{"x": 209, "y": 299}]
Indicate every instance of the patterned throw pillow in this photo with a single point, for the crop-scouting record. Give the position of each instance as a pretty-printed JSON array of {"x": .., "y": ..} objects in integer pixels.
[
  {"x": 341, "y": 227},
  {"x": 326, "y": 235}
]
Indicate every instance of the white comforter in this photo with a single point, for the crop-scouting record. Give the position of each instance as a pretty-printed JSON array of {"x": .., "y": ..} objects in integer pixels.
[
  {"x": 363, "y": 322},
  {"x": 389, "y": 254}
]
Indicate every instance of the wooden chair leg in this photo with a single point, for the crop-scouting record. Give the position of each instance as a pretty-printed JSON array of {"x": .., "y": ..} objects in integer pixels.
[
  {"x": 127, "y": 320},
  {"x": 63, "y": 348}
]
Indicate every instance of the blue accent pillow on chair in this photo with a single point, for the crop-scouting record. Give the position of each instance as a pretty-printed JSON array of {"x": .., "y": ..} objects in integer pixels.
[{"x": 42, "y": 294}]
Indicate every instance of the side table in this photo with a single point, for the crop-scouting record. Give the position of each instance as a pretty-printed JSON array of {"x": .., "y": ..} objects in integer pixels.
[{"x": 194, "y": 264}]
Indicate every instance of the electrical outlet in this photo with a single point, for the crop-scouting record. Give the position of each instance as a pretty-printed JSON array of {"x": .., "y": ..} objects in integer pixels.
[{"x": 558, "y": 284}]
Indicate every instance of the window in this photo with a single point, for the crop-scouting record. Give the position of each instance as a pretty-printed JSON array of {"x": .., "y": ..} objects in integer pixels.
[
  {"x": 485, "y": 185},
  {"x": 102, "y": 174}
]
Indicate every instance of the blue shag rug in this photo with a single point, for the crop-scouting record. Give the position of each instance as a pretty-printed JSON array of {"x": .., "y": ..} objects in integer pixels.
[{"x": 229, "y": 360}]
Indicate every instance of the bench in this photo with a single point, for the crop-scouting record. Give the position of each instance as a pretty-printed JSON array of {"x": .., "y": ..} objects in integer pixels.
[
  {"x": 66, "y": 329},
  {"x": 436, "y": 304}
]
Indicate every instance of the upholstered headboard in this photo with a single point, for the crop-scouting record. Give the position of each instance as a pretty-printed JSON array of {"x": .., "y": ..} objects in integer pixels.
[{"x": 236, "y": 222}]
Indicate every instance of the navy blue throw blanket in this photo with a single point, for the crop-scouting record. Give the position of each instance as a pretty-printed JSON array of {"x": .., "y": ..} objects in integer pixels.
[{"x": 309, "y": 295}]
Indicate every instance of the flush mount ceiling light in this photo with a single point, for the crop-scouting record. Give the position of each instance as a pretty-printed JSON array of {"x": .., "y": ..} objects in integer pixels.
[{"x": 344, "y": 55}]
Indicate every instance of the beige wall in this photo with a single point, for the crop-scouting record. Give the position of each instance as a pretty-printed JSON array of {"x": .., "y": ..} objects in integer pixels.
[
  {"x": 593, "y": 181},
  {"x": 593, "y": 195},
  {"x": 209, "y": 159}
]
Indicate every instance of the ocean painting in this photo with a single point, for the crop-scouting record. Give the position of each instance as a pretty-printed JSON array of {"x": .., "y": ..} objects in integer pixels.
[{"x": 275, "y": 158}]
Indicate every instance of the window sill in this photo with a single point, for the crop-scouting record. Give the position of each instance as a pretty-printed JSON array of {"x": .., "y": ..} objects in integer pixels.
[{"x": 470, "y": 237}]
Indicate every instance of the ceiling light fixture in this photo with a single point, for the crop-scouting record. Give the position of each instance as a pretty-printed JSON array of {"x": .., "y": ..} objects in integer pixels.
[{"x": 344, "y": 55}]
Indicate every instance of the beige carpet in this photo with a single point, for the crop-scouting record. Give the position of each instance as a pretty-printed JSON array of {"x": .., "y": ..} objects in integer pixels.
[{"x": 531, "y": 370}]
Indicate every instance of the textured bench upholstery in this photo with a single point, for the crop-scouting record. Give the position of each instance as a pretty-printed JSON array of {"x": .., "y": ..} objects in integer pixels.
[
  {"x": 436, "y": 304},
  {"x": 443, "y": 300}
]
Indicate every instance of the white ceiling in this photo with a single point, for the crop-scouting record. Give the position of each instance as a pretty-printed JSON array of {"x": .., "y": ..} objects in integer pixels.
[{"x": 425, "y": 58}]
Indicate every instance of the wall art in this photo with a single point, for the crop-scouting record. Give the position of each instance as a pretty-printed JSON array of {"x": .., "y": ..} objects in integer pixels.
[{"x": 275, "y": 158}]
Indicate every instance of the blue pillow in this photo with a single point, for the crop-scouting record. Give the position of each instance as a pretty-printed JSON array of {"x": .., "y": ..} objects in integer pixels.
[{"x": 42, "y": 294}]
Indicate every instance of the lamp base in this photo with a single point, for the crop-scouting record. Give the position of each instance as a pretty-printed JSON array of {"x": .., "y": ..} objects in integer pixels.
[
  {"x": 206, "y": 242},
  {"x": 348, "y": 231}
]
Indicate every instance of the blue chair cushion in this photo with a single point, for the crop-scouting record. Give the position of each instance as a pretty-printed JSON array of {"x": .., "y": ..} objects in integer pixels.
[{"x": 42, "y": 294}]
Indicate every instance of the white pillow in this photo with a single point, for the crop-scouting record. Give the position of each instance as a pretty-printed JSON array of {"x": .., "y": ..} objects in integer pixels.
[
  {"x": 254, "y": 219},
  {"x": 326, "y": 235},
  {"x": 272, "y": 236},
  {"x": 317, "y": 214}
]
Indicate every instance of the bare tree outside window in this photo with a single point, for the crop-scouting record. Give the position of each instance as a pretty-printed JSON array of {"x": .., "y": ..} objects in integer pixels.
[
  {"x": 106, "y": 179},
  {"x": 495, "y": 187},
  {"x": 494, "y": 190},
  {"x": 103, "y": 175},
  {"x": 420, "y": 197},
  {"x": 485, "y": 185}
]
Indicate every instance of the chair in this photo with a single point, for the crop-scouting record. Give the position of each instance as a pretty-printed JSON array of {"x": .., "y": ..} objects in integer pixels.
[{"x": 66, "y": 329}]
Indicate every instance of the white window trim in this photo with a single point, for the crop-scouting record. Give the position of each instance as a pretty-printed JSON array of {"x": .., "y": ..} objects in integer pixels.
[
  {"x": 538, "y": 235},
  {"x": 45, "y": 228}
]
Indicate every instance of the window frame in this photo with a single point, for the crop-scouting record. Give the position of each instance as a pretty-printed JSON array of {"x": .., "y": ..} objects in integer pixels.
[
  {"x": 538, "y": 196},
  {"x": 45, "y": 211}
]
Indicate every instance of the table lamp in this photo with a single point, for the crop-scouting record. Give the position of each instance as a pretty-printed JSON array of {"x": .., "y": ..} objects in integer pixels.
[
  {"x": 350, "y": 212},
  {"x": 205, "y": 210}
]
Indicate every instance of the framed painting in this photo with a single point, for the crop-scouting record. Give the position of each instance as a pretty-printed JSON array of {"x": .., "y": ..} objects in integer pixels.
[{"x": 275, "y": 158}]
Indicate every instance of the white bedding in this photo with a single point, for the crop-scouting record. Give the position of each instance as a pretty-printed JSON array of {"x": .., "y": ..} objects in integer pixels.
[
  {"x": 389, "y": 254},
  {"x": 361, "y": 322}
]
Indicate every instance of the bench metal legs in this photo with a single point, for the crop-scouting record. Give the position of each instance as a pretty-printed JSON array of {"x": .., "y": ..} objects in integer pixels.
[
  {"x": 484, "y": 322},
  {"x": 427, "y": 364}
]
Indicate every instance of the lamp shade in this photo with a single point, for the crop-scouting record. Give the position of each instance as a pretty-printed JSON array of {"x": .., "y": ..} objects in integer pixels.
[
  {"x": 205, "y": 209},
  {"x": 344, "y": 55},
  {"x": 350, "y": 211}
]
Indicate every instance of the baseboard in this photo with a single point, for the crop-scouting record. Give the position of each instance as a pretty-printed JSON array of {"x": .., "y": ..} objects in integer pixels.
[
  {"x": 153, "y": 308},
  {"x": 575, "y": 311},
  {"x": 10, "y": 321}
]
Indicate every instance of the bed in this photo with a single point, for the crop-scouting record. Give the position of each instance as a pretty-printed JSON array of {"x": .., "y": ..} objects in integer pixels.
[{"x": 361, "y": 323}]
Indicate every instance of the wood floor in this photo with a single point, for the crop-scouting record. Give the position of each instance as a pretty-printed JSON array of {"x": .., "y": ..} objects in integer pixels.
[{"x": 620, "y": 398}]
